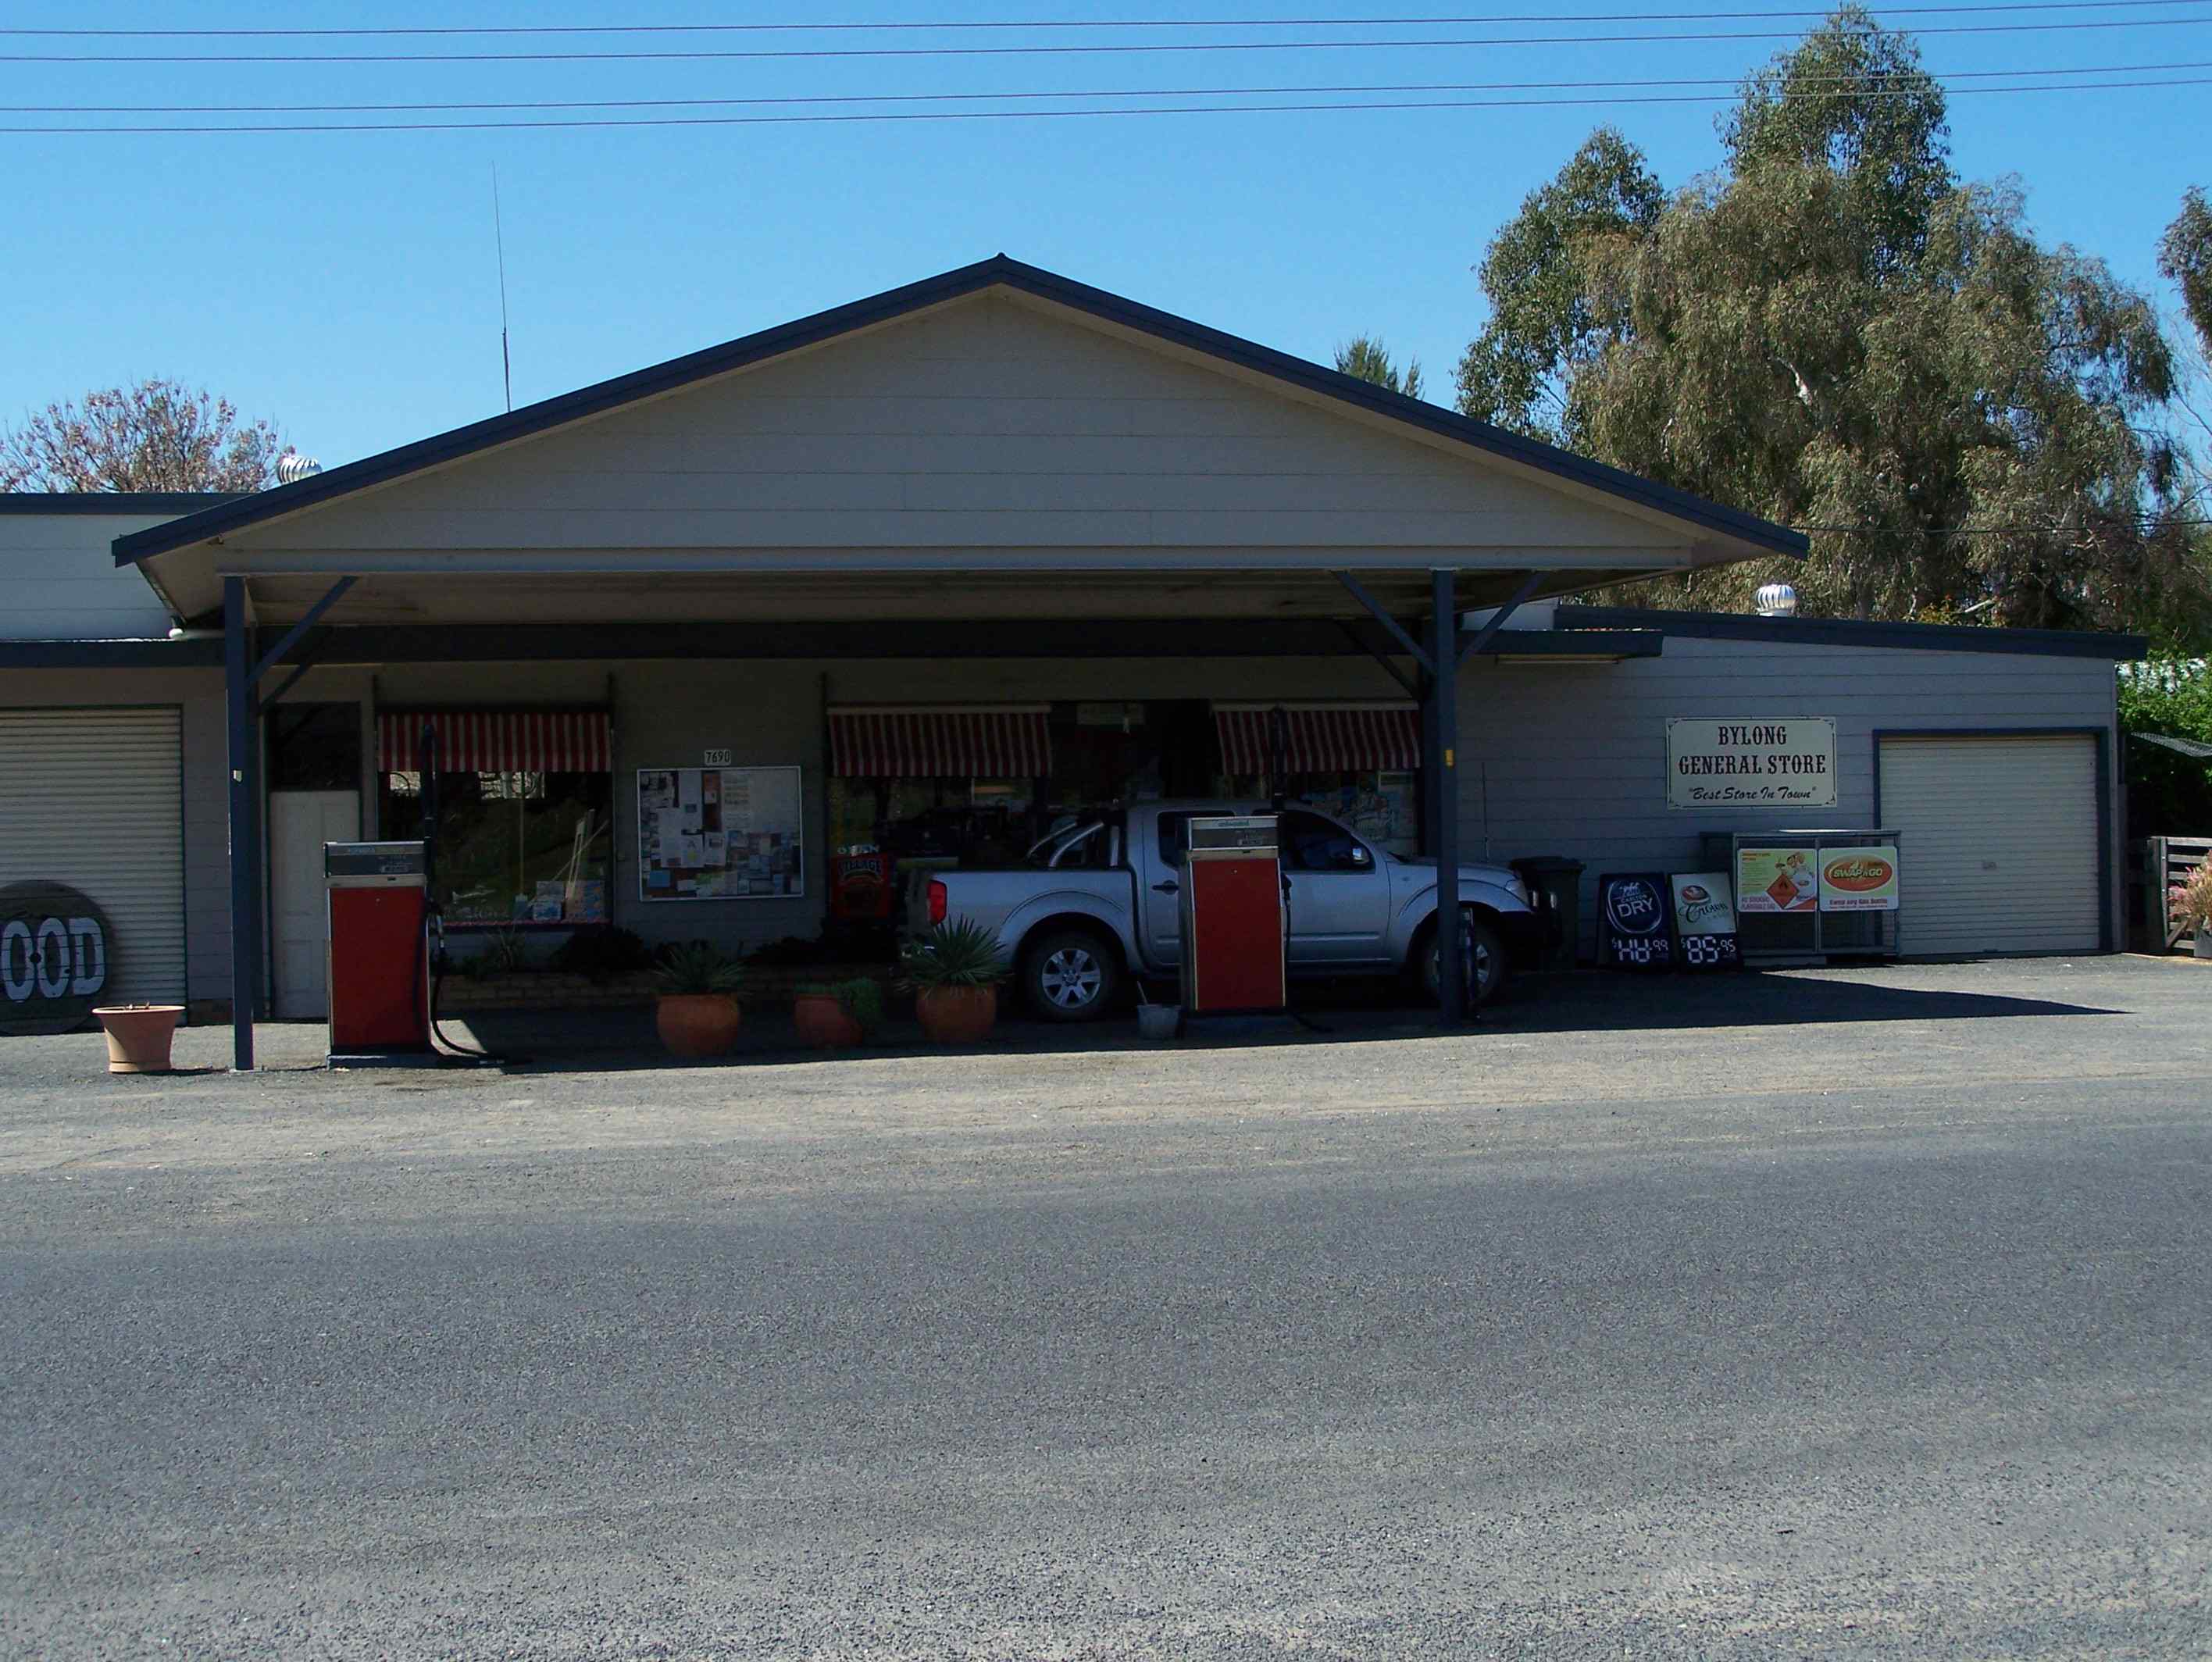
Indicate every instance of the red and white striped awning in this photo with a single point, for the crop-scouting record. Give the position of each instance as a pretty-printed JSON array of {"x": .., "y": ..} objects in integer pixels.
[
  {"x": 1001, "y": 741},
  {"x": 1318, "y": 738},
  {"x": 498, "y": 741}
]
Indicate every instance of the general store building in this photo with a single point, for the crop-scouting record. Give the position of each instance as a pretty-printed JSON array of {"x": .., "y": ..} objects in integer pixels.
[{"x": 700, "y": 648}]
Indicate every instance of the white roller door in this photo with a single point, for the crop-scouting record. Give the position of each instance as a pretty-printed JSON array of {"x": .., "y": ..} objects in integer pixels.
[
  {"x": 93, "y": 798},
  {"x": 1997, "y": 842}
]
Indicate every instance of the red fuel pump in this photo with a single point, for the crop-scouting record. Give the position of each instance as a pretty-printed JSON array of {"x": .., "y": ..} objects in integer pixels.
[
  {"x": 380, "y": 966},
  {"x": 1234, "y": 922}
]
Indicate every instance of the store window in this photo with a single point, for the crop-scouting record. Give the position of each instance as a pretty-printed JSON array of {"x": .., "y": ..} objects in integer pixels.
[
  {"x": 1356, "y": 763},
  {"x": 524, "y": 804}
]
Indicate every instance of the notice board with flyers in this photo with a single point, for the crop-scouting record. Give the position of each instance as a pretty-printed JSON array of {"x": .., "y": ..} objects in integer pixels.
[{"x": 720, "y": 833}]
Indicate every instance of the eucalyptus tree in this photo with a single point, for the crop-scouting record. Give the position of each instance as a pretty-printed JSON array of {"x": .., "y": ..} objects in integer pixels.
[{"x": 1833, "y": 330}]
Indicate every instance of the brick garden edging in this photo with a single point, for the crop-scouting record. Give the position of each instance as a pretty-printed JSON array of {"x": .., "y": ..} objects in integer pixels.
[{"x": 766, "y": 988}]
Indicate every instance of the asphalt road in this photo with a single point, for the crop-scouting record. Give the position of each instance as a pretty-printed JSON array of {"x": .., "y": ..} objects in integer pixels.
[{"x": 1847, "y": 1315}]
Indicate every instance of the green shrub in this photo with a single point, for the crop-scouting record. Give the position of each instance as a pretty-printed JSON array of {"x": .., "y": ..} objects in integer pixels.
[{"x": 861, "y": 998}]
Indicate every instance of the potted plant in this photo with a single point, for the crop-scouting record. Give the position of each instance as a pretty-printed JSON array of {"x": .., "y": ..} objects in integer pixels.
[
  {"x": 955, "y": 971},
  {"x": 2189, "y": 904},
  {"x": 697, "y": 1014},
  {"x": 844, "y": 1013},
  {"x": 139, "y": 1035}
]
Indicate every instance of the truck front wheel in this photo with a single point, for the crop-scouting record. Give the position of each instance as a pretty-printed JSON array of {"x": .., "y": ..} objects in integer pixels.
[
  {"x": 1071, "y": 975},
  {"x": 1489, "y": 952}
]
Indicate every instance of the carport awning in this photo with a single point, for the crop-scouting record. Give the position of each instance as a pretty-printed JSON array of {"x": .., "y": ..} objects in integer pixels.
[
  {"x": 1318, "y": 738},
  {"x": 497, "y": 741},
  {"x": 1004, "y": 741}
]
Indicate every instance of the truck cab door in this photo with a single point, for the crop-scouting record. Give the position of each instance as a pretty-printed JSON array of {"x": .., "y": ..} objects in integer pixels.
[
  {"x": 1158, "y": 865},
  {"x": 1339, "y": 895}
]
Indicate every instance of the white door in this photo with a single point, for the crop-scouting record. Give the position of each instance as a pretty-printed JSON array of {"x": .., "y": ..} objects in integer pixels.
[
  {"x": 95, "y": 799},
  {"x": 300, "y": 823},
  {"x": 1997, "y": 843}
]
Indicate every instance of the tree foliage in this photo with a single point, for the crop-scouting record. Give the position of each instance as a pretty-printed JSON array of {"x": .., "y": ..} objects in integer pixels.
[
  {"x": 158, "y": 435},
  {"x": 1548, "y": 319},
  {"x": 1835, "y": 333},
  {"x": 2168, "y": 794},
  {"x": 2185, "y": 255},
  {"x": 1365, "y": 357}
]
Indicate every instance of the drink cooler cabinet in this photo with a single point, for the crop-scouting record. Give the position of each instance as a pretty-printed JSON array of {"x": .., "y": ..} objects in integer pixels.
[
  {"x": 1771, "y": 940},
  {"x": 379, "y": 968},
  {"x": 1235, "y": 924}
]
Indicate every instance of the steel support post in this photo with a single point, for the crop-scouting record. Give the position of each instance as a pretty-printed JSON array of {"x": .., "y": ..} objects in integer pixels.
[
  {"x": 245, "y": 837},
  {"x": 1444, "y": 697}
]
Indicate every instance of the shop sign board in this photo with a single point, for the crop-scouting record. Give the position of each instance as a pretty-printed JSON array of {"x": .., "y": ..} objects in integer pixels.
[
  {"x": 1859, "y": 879},
  {"x": 1705, "y": 920},
  {"x": 1784, "y": 763},
  {"x": 1769, "y": 880},
  {"x": 720, "y": 833},
  {"x": 54, "y": 949},
  {"x": 1634, "y": 919}
]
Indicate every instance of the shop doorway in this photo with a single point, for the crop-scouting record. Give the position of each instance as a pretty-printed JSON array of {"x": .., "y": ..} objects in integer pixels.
[
  {"x": 314, "y": 797},
  {"x": 300, "y": 823}
]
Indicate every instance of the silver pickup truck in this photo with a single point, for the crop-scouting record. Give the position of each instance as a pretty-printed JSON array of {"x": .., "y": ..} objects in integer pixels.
[{"x": 1100, "y": 900}]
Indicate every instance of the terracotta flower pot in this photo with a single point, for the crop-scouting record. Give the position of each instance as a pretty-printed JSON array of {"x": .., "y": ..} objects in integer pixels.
[
  {"x": 957, "y": 1014},
  {"x": 139, "y": 1036},
  {"x": 697, "y": 1024},
  {"x": 822, "y": 1021}
]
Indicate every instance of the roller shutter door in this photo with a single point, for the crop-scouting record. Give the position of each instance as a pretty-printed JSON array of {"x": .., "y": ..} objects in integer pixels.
[
  {"x": 93, "y": 798},
  {"x": 1997, "y": 843}
]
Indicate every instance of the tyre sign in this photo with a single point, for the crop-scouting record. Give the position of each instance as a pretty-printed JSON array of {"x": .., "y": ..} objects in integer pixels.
[{"x": 55, "y": 946}]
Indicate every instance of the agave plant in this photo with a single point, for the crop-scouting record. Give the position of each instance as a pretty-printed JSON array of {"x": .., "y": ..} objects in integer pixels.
[
  {"x": 699, "y": 967},
  {"x": 957, "y": 953}
]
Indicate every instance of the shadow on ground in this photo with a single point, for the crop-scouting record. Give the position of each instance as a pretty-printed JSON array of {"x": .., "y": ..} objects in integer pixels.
[{"x": 604, "y": 1040}]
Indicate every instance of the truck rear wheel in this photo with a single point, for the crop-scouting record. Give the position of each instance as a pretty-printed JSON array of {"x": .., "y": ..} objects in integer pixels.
[{"x": 1072, "y": 975}]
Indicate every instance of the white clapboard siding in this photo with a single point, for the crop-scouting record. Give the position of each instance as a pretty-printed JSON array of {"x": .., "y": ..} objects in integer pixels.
[
  {"x": 93, "y": 798},
  {"x": 60, "y": 574},
  {"x": 1997, "y": 842}
]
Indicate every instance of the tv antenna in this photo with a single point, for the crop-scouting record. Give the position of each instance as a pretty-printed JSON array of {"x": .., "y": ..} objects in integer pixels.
[{"x": 499, "y": 241}]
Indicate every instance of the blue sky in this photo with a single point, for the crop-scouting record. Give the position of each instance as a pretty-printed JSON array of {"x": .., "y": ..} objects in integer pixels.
[{"x": 344, "y": 283}]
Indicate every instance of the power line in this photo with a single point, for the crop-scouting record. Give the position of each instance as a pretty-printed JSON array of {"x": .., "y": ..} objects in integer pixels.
[
  {"x": 1083, "y": 50},
  {"x": 948, "y": 25},
  {"x": 1846, "y": 81},
  {"x": 1016, "y": 115}
]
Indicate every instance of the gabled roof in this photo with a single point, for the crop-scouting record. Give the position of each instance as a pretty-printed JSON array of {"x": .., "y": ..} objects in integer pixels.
[{"x": 998, "y": 272}]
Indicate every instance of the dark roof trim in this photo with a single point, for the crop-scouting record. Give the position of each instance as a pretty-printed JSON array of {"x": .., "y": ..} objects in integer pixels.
[
  {"x": 923, "y": 639},
  {"x": 913, "y": 297},
  {"x": 1844, "y": 632},
  {"x": 1576, "y": 643},
  {"x": 188, "y": 654},
  {"x": 113, "y": 501}
]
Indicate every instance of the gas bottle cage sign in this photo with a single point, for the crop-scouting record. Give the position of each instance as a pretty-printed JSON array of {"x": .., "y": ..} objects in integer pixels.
[{"x": 54, "y": 951}]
